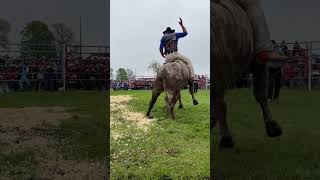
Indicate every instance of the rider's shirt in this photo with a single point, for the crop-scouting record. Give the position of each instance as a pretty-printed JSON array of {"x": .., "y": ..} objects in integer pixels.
[{"x": 170, "y": 42}]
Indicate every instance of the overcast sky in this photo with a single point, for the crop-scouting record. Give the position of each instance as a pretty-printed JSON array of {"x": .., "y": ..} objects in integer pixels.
[
  {"x": 94, "y": 14},
  {"x": 293, "y": 19},
  {"x": 137, "y": 26}
]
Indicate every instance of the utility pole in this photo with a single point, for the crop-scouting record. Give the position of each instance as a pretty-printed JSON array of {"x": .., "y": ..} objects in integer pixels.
[{"x": 80, "y": 36}]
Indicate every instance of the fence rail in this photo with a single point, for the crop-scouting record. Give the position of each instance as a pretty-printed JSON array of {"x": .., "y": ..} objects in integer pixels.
[
  {"x": 55, "y": 66},
  {"x": 303, "y": 67}
]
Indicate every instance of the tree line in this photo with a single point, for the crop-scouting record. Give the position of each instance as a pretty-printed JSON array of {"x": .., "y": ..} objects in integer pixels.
[
  {"x": 123, "y": 74},
  {"x": 35, "y": 33},
  {"x": 127, "y": 74}
]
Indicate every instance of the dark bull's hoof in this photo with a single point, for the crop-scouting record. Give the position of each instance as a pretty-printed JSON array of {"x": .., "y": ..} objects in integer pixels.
[
  {"x": 195, "y": 102},
  {"x": 149, "y": 116},
  {"x": 180, "y": 106},
  {"x": 226, "y": 142},
  {"x": 273, "y": 129}
]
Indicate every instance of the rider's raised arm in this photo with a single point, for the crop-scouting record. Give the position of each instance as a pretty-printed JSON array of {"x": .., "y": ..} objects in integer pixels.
[
  {"x": 182, "y": 26},
  {"x": 184, "y": 29}
]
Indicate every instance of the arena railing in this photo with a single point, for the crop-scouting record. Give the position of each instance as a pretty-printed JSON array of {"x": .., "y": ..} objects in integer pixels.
[
  {"x": 34, "y": 63},
  {"x": 86, "y": 67},
  {"x": 305, "y": 63},
  {"x": 30, "y": 64}
]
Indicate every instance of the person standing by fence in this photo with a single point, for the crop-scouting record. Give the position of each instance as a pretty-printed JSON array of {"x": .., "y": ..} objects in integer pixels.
[
  {"x": 196, "y": 84},
  {"x": 275, "y": 75}
]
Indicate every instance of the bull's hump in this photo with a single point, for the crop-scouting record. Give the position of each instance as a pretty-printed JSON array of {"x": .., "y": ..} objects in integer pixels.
[{"x": 232, "y": 30}]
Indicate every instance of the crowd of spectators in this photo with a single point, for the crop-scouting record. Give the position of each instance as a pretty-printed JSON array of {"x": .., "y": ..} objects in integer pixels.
[
  {"x": 119, "y": 85},
  {"x": 296, "y": 70},
  {"x": 297, "y": 65},
  {"x": 141, "y": 84},
  {"x": 147, "y": 83},
  {"x": 33, "y": 73},
  {"x": 201, "y": 81},
  {"x": 89, "y": 72},
  {"x": 22, "y": 73}
]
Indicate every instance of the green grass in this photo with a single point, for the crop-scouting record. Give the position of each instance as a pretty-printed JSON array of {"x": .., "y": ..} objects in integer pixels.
[
  {"x": 294, "y": 155},
  {"x": 171, "y": 149},
  {"x": 85, "y": 135}
]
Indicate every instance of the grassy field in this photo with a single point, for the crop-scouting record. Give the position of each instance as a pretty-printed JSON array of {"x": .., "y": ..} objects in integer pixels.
[
  {"x": 170, "y": 148},
  {"x": 83, "y": 134},
  {"x": 294, "y": 155}
]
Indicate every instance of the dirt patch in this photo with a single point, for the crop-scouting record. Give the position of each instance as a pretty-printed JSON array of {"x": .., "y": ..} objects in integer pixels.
[
  {"x": 32, "y": 146},
  {"x": 120, "y": 103}
]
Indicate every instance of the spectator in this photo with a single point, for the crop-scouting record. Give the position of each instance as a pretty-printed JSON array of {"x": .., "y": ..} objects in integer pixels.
[
  {"x": 50, "y": 79},
  {"x": 296, "y": 48},
  {"x": 24, "y": 78},
  {"x": 284, "y": 48},
  {"x": 40, "y": 78},
  {"x": 289, "y": 75},
  {"x": 196, "y": 84},
  {"x": 275, "y": 75}
]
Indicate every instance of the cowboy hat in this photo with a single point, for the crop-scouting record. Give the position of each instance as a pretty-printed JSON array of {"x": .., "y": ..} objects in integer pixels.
[{"x": 168, "y": 30}]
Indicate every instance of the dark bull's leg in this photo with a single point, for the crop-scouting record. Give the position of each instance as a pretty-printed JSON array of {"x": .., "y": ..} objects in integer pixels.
[
  {"x": 220, "y": 114},
  {"x": 166, "y": 100},
  {"x": 260, "y": 93},
  {"x": 195, "y": 102},
  {"x": 155, "y": 95},
  {"x": 180, "y": 102}
]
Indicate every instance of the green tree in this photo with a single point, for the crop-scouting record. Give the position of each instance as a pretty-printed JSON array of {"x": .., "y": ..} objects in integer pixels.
[
  {"x": 122, "y": 74},
  {"x": 4, "y": 31},
  {"x": 37, "y": 40}
]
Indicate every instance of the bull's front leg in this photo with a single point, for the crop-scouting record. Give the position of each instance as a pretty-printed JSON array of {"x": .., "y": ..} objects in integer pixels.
[
  {"x": 260, "y": 92},
  {"x": 155, "y": 95}
]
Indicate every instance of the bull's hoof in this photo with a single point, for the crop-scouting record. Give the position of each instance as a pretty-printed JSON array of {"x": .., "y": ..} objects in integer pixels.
[
  {"x": 226, "y": 142},
  {"x": 180, "y": 106},
  {"x": 195, "y": 102},
  {"x": 213, "y": 123},
  {"x": 273, "y": 129},
  {"x": 149, "y": 116}
]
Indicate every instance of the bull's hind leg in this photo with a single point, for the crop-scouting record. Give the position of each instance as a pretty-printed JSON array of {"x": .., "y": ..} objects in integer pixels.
[
  {"x": 195, "y": 102},
  {"x": 155, "y": 95},
  {"x": 260, "y": 92},
  {"x": 166, "y": 100},
  {"x": 220, "y": 114},
  {"x": 171, "y": 100},
  {"x": 180, "y": 102}
]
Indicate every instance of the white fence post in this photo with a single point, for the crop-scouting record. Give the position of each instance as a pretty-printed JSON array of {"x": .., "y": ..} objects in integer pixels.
[
  {"x": 310, "y": 65},
  {"x": 63, "y": 58}
]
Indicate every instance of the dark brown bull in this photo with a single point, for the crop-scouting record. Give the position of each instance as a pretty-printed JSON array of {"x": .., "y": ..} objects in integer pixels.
[
  {"x": 232, "y": 54},
  {"x": 171, "y": 78}
]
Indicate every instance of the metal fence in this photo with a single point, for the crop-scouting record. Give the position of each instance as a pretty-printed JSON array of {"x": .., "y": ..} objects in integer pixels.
[
  {"x": 53, "y": 67},
  {"x": 86, "y": 67},
  {"x": 303, "y": 68}
]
